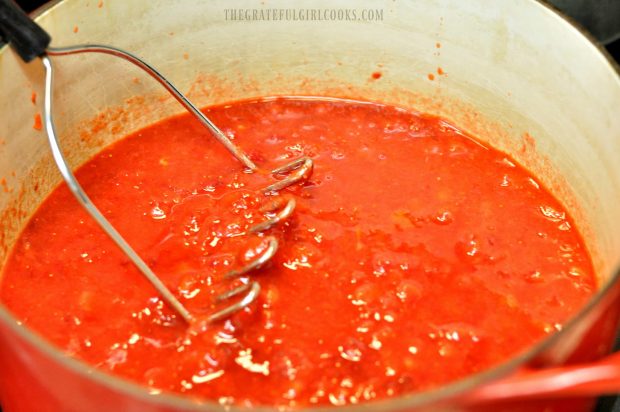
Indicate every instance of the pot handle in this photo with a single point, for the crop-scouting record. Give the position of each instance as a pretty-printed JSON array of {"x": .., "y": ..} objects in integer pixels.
[
  {"x": 601, "y": 377},
  {"x": 26, "y": 37}
]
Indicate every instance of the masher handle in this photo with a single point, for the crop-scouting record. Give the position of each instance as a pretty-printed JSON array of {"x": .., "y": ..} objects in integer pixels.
[{"x": 26, "y": 37}]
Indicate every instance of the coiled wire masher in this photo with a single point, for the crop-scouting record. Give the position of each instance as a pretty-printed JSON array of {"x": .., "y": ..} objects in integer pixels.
[{"x": 29, "y": 40}]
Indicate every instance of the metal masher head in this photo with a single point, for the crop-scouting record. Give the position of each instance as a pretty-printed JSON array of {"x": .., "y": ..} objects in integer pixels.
[{"x": 31, "y": 41}]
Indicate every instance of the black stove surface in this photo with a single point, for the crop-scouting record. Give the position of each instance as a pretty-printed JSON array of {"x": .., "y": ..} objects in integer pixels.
[
  {"x": 603, "y": 19},
  {"x": 608, "y": 403}
]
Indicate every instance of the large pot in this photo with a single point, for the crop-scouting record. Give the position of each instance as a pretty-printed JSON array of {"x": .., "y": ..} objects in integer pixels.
[{"x": 515, "y": 74}]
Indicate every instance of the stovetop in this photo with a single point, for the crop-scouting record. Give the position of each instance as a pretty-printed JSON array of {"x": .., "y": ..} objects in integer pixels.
[{"x": 608, "y": 403}]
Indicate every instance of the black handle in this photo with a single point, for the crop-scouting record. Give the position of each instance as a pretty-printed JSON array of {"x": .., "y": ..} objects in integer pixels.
[{"x": 24, "y": 35}]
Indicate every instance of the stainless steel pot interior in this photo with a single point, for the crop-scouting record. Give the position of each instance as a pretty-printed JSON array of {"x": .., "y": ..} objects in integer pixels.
[{"x": 516, "y": 73}]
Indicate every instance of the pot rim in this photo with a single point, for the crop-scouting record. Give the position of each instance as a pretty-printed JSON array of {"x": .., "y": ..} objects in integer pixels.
[{"x": 415, "y": 399}]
